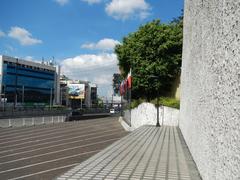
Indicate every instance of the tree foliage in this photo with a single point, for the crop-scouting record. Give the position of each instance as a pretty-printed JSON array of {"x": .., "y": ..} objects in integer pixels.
[
  {"x": 116, "y": 83},
  {"x": 155, "y": 49}
]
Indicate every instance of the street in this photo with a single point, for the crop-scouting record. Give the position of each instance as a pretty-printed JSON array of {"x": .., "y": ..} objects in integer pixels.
[{"x": 47, "y": 151}]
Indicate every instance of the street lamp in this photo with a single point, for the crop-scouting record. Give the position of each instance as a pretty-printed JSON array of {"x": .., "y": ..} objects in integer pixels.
[{"x": 157, "y": 78}]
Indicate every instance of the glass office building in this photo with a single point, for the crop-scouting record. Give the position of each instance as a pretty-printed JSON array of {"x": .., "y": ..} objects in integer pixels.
[{"x": 26, "y": 81}]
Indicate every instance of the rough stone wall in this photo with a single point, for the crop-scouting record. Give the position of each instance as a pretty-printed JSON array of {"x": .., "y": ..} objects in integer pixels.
[{"x": 210, "y": 86}]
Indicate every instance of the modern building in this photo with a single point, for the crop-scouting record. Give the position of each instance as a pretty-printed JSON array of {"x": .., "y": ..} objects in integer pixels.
[
  {"x": 77, "y": 93},
  {"x": 25, "y": 82}
]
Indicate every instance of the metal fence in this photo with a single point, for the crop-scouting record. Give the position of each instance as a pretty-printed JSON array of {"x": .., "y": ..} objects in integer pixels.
[
  {"x": 35, "y": 116},
  {"x": 31, "y": 121},
  {"x": 31, "y": 112}
]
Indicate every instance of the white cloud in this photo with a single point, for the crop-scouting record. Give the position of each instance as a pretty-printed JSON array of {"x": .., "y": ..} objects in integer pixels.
[
  {"x": 2, "y": 34},
  {"x": 104, "y": 44},
  {"x": 23, "y": 36},
  {"x": 62, "y": 2},
  {"x": 124, "y": 9},
  {"x": 92, "y": 1},
  {"x": 97, "y": 68}
]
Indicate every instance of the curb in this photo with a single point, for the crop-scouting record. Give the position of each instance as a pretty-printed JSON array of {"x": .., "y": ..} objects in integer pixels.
[{"x": 125, "y": 125}]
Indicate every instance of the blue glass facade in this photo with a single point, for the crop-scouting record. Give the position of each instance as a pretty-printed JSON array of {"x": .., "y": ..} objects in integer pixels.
[{"x": 26, "y": 83}]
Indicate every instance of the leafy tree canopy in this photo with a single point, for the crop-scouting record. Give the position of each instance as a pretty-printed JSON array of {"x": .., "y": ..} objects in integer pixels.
[{"x": 155, "y": 49}]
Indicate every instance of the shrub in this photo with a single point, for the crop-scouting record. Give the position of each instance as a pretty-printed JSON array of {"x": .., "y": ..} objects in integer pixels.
[
  {"x": 136, "y": 102},
  {"x": 169, "y": 102},
  {"x": 165, "y": 101}
]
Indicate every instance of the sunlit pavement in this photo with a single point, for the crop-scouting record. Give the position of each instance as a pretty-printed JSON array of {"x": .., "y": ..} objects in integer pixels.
[
  {"x": 147, "y": 153},
  {"x": 47, "y": 151}
]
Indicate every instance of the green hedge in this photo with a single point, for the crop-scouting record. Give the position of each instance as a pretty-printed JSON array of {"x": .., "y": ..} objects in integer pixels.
[{"x": 165, "y": 101}]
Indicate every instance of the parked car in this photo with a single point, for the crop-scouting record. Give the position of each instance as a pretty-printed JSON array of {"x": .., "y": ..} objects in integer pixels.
[
  {"x": 74, "y": 115},
  {"x": 112, "y": 111}
]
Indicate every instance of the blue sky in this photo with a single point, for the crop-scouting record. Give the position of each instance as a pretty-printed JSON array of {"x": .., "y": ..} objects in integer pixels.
[{"x": 80, "y": 34}]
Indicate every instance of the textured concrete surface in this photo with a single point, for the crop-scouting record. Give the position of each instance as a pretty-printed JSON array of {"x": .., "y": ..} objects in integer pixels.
[
  {"x": 210, "y": 87},
  {"x": 146, "y": 114},
  {"x": 146, "y": 153}
]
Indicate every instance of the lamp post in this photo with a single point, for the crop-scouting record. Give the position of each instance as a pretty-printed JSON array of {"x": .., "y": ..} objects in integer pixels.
[{"x": 157, "y": 78}]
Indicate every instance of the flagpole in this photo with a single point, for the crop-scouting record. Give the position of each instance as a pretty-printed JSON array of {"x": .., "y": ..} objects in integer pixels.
[
  {"x": 130, "y": 100},
  {"x": 130, "y": 93}
]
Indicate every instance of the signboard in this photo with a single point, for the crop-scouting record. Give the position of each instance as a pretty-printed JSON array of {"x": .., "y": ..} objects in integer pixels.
[{"x": 76, "y": 91}]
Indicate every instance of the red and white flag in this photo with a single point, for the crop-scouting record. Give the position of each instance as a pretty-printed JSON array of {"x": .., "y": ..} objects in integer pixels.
[
  {"x": 122, "y": 88},
  {"x": 129, "y": 79}
]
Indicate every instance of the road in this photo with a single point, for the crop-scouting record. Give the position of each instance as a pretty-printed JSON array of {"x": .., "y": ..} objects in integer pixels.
[{"x": 47, "y": 151}]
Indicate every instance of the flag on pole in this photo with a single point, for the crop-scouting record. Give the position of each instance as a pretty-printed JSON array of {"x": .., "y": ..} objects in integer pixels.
[
  {"x": 129, "y": 79},
  {"x": 121, "y": 88},
  {"x": 125, "y": 85}
]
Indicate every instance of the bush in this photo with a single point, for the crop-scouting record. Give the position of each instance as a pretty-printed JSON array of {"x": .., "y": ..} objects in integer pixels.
[
  {"x": 167, "y": 101},
  {"x": 136, "y": 102}
]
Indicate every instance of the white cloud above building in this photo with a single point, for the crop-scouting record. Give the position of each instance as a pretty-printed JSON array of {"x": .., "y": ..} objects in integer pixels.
[
  {"x": 126, "y": 9},
  {"x": 23, "y": 36},
  {"x": 105, "y": 44}
]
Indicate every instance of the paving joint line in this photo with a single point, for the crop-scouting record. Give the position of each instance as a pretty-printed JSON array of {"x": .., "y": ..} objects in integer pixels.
[
  {"x": 152, "y": 152},
  {"x": 43, "y": 133},
  {"x": 51, "y": 127},
  {"x": 103, "y": 153},
  {"x": 177, "y": 158},
  {"x": 151, "y": 132},
  {"x": 160, "y": 153},
  {"x": 62, "y": 150},
  {"x": 56, "y": 137},
  {"x": 51, "y": 146},
  {"x": 45, "y": 162},
  {"x": 168, "y": 154},
  {"x": 133, "y": 144},
  {"x": 123, "y": 148},
  {"x": 19, "y": 130},
  {"x": 23, "y": 152},
  {"x": 144, "y": 152}
]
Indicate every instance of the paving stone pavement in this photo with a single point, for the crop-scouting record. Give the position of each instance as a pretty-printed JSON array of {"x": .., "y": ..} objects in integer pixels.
[{"x": 147, "y": 153}]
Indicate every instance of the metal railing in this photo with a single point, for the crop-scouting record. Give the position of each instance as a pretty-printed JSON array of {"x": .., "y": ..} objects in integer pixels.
[
  {"x": 31, "y": 121},
  {"x": 31, "y": 112}
]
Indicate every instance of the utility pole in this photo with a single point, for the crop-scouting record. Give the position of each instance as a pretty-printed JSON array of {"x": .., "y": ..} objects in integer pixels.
[
  {"x": 22, "y": 94},
  {"x": 50, "y": 102},
  {"x": 112, "y": 100},
  {"x": 16, "y": 83},
  {"x": 4, "y": 97}
]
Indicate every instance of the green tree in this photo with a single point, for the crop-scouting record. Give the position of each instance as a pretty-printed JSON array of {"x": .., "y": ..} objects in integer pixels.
[
  {"x": 155, "y": 49},
  {"x": 116, "y": 83}
]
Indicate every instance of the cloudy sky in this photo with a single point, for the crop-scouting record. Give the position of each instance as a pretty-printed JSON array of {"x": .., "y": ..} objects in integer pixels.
[{"x": 79, "y": 34}]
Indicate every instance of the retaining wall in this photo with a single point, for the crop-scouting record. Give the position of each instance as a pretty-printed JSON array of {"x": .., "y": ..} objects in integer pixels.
[
  {"x": 146, "y": 114},
  {"x": 210, "y": 87}
]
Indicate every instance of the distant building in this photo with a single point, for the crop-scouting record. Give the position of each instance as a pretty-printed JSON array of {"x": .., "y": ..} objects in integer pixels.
[
  {"x": 77, "y": 93},
  {"x": 64, "y": 99},
  {"x": 25, "y": 82}
]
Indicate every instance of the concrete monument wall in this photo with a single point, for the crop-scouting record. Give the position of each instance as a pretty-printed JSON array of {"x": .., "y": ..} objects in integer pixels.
[
  {"x": 210, "y": 87},
  {"x": 146, "y": 114}
]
